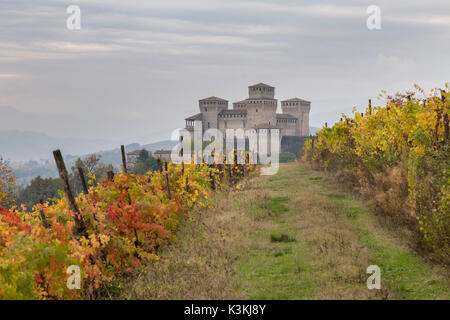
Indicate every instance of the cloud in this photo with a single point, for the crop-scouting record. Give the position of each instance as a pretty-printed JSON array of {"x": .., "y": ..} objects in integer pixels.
[
  {"x": 12, "y": 76},
  {"x": 141, "y": 65}
]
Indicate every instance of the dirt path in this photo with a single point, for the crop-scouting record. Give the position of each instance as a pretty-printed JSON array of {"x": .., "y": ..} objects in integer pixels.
[{"x": 290, "y": 236}]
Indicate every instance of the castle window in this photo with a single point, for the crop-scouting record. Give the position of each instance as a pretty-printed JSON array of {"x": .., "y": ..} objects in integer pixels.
[
  {"x": 208, "y": 125},
  {"x": 206, "y": 109},
  {"x": 256, "y": 110}
]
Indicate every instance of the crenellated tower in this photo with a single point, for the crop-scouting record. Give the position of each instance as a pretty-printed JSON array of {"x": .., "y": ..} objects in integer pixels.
[
  {"x": 298, "y": 108},
  {"x": 210, "y": 108},
  {"x": 261, "y": 105}
]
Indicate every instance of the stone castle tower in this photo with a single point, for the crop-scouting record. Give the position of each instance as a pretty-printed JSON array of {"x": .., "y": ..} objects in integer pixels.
[
  {"x": 210, "y": 109},
  {"x": 261, "y": 105},
  {"x": 298, "y": 108}
]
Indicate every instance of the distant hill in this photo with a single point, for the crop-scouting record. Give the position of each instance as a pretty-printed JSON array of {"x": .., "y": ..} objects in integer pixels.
[
  {"x": 162, "y": 145},
  {"x": 25, "y": 171},
  {"x": 18, "y": 145},
  {"x": 114, "y": 156}
]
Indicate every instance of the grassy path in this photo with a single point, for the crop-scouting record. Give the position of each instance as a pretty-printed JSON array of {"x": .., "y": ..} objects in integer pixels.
[{"x": 294, "y": 235}]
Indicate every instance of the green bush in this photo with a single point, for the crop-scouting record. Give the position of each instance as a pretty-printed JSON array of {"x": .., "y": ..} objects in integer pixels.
[{"x": 287, "y": 157}]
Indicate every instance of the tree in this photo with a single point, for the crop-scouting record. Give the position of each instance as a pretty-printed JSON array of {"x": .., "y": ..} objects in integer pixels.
[
  {"x": 88, "y": 164},
  {"x": 39, "y": 189},
  {"x": 287, "y": 157},
  {"x": 143, "y": 156},
  {"x": 145, "y": 163},
  {"x": 91, "y": 165},
  {"x": 7, "y": 181}
]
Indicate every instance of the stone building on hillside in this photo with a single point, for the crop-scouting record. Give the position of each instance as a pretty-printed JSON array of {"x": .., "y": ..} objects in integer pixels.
[
  {"x": 163, "y": 155},
  {"x": 133, "y": 156}
]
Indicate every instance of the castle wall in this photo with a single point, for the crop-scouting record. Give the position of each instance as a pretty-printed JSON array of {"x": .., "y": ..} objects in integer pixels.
[
  {"x": 288, "y": 127},
  {"x": 240, "y": 105},
  {"x": 231, "y": 123},
  {"x": 210, "y": 117},
  {"x": 261, "y": 111}
]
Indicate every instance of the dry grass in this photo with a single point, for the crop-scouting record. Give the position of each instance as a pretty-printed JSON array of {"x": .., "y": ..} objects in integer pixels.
[{"x": 200, "y": 265}]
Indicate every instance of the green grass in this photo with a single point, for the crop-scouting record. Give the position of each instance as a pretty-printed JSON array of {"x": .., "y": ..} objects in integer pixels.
[
  {"x": 281, "y": 237},
  {"x": 277, "y": 273},
  {"x": 405, "y": 273},
  {"x": 271, "y": 266},
  {"x": 279, "y": 205},
  {"x": 279, "y": 265}
]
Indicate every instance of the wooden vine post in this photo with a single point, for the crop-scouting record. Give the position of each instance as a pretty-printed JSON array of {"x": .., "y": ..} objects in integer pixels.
[
  {"x": 83, "y": 180},
  {"x": 43, "y": 217},
  {"x": 137, "y": 243},
  {"x": 446, "y": 120},
  {"x": 124, "y": 159},
  {"x": 181, "y": 154},
  {"x": 245, "y": 164},
  {"x": 158, "y": 161},
  {"x": 79, "y": 228},
  {"x": 213, "y": 182},
  {"x": 167, "y": 181},
  {"x": 110, "y": 175}
]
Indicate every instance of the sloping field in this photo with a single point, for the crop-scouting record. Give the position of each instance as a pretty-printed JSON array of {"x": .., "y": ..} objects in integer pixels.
[{"x": 295, "y": 235}]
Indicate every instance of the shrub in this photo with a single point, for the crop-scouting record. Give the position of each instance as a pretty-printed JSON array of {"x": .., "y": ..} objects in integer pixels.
[
  {"x": 126, "y": 222},
  {"x": 287, "y": 157},
  {"x": 398, "y": 155}
]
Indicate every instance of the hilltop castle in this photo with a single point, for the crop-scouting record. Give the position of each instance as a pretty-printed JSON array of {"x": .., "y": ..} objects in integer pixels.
[{"x": 258, "y": 111}]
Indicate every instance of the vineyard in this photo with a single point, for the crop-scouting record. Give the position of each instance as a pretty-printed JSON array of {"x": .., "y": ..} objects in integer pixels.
[
  {"x": 398, "y": 156},
  {"x": 112, "y": 230}
]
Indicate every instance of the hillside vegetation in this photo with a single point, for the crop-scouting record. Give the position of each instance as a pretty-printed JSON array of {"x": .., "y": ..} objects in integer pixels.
[
  {"x": 118, "y": 227},
  {"x": 398, "y": 157}
]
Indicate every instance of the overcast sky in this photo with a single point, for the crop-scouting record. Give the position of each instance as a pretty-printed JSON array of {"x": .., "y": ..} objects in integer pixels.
[{"x": 137, "y": 68}]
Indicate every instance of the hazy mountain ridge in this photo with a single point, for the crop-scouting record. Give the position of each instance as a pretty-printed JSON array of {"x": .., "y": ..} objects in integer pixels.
[
  {"x": 19, "y": 145},
  {"x": 16, "y": 145},
  {"x": 25, "y": 171}
]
